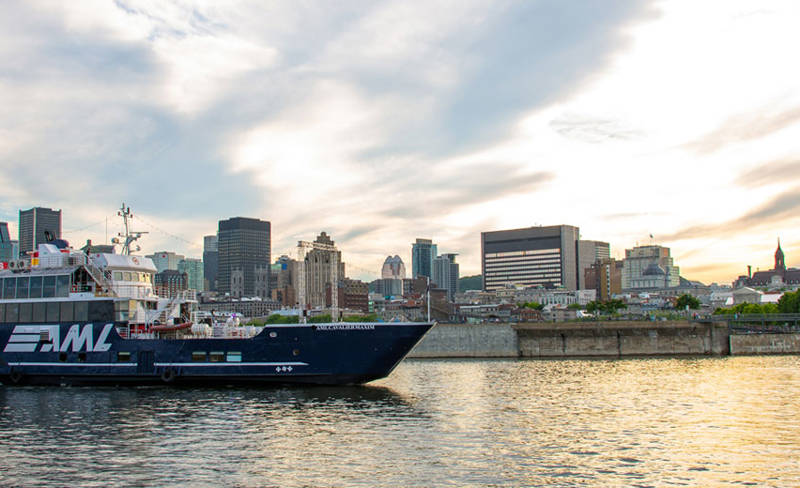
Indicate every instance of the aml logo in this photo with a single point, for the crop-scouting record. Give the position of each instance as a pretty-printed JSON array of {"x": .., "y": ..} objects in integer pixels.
[{"x": 25, "y": 338}]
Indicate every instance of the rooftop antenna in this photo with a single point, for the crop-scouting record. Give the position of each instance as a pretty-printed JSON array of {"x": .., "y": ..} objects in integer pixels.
[{"x": 129, "y": 235}]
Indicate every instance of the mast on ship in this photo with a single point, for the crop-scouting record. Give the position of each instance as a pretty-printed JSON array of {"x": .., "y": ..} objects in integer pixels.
[{"x": 129, "y": 235}]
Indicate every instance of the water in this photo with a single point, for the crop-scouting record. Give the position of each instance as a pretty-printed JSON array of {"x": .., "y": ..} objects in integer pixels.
[{"x": 638, "y": 422}]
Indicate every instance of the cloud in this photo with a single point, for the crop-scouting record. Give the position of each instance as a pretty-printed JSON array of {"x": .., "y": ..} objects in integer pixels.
[
  {"x": 774, "y": 172},
  {"x": 592, "y": 129},
  {"x": 744, "y": 128},
  {"x": 785, "y": 206}
]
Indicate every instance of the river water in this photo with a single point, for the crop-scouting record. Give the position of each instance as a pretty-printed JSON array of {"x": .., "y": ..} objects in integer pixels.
[{"x": 633, "y": 422}]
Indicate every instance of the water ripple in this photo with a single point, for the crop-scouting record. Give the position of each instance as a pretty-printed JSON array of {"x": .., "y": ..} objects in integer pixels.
[{"x": 639, "y": 422}]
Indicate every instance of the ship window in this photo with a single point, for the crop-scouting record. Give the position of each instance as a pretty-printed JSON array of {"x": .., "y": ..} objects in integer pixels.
[
  {"x": 36, "y": 287},
  {"x": 62, "y": 286},
  {"x": 81, "y": 312},
  {"x": 82, "y": 357},
  {"x": 199, "y": 356},
  {"x": 217, "y": 356},
  {"x": 62, "y": 356},
  {"x": 12, "y": 312},
  {"x": 25, "y": 312},
  {"x": 52, "y": 311},
  {"x": 126, "y": 276},
  {"x": 38, "y": 312},
  {"x": 2, "y": 312},
  {"x": 9, "y": 285},
  {"x": 123, "y": 356},
  {"x": 22, "y": 287},
  {"x": 100, "y": 311},
  {"x": 117, "y": 275},
  {"x": 49, "y": 286},
  {"x": 234, "y": 357},
  {"x": 66, "y": 311}
]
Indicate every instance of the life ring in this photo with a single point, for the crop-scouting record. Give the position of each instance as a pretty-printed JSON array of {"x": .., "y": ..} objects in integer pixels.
[
  {"x": 15, "y": 376},
  {"x": 168, "y": 375}
]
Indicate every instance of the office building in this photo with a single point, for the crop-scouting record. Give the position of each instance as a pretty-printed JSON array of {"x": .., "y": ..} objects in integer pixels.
[
  {"x": 319, "y": 266},
  {"x": 605, "y": 277},
  {"x": 243, "y": 246},
  {"x": 423, "y": 253},
  {"x": 534, "y": 256},
  {"x": 164, "y": 260},
  {"x": 649, "y": 267},
  {"x": 38, "y": 225},
  {"x": 7, "y": 246},
  {"x": 210, "y": 262},
  {"x": 445, "y": 274},
  {"x": 194, "y": 269},
  {"x": 590, "y": 252},
  {"x": 393, "y": 268}
]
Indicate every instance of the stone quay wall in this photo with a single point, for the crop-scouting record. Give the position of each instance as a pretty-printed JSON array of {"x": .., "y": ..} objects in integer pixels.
[
  {"x": 765, "y": 344},
  {"x": 573, "y": 339}
]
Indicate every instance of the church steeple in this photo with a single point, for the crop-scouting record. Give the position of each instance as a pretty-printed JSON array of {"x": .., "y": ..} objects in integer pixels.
[{"x": 780, "y": 263}]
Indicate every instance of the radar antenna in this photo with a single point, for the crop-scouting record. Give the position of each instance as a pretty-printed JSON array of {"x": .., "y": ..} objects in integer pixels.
[{"x": 129, "y": 236}]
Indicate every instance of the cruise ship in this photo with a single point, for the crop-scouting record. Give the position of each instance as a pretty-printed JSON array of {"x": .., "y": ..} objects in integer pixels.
[{"x": 73, "y": 318}]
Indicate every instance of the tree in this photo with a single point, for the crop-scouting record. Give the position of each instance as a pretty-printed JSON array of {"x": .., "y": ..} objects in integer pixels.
[
  {"x": 789, "y": 302},
  {"x": 610, "y": 307},
  {"x": 687, "y": 300},
  {"x": 592, "y": 307}
]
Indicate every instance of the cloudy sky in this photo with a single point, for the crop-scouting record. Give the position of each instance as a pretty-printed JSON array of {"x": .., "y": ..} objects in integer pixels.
[{"x": 383, "y": 121}]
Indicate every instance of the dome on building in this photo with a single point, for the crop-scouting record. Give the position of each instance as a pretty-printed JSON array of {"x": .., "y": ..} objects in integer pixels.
[{"x": 654, "y": 270}]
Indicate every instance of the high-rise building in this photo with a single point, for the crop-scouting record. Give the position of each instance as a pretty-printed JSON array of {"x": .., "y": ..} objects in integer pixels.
[
  {"x": 589, "y": 252},
  {"x": 38, "y": 225},
  {"x": 244, "y": 248},
  {"x": 319, "y": 266},
  {"x": 649, "y": 267},
  {"x": 6, "y": 244},
  {"x": 193, "y": 268},
  {"x": 164, "y": 260},
  {"x": 423, "y": 253},
  {"x": 605, "y": 277},
  {"x": 445, "y": 274},
  {"x": 210, "y": 262},
  {"x": 534, "y": 256},
  {"x": 393, "y": 268}
]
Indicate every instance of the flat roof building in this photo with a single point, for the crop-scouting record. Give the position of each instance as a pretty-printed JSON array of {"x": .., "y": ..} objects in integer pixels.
[
  {"x": 244, "y": 253},
  {"x": 534, "y": 256},
  {"x": 38, "y": 225}
]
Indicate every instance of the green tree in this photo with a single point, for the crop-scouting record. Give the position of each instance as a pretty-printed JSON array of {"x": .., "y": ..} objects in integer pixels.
[
  {"x": 592, "y": 307},
  {"x": 687, "y": 300},
  {"x": 789, "y": 302}
]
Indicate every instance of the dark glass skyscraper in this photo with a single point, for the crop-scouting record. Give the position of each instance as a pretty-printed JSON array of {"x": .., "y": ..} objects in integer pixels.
[
  {"x": 34, "y": 224},
  {"x": 244, "y": 253},
  {"x": 423, "y": 252}
]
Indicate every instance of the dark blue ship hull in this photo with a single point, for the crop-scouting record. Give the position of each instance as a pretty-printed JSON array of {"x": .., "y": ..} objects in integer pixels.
[{"x": 90, "y": 354}]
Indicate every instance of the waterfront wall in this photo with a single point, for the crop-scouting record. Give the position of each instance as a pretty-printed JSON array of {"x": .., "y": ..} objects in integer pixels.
[
  {"x": 765, "y": 344},
  {"x": 573, "y": 339},
  {"x": 468, "y": 340},
  {"x": 618, "y": 339}
]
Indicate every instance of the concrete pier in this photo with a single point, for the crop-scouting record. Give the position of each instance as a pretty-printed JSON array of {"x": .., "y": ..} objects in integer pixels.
[{"x": 574, "y": 339}]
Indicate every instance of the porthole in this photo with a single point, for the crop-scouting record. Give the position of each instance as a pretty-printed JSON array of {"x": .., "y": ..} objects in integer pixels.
[
  {"x": 296, "y": 352},
  {"x": 273, "y": 334}
]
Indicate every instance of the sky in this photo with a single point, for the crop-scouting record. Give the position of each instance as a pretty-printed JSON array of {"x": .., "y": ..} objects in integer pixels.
[{"x": 380, "y": 122}]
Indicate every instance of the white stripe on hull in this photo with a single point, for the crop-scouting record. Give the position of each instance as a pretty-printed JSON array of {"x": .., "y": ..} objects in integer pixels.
[
  {"x": 73, "y": 364},
  {"x": 229, "y": 364}
]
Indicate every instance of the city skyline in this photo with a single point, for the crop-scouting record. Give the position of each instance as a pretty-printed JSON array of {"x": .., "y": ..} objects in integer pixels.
[{"x": 399, "y": 120}]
